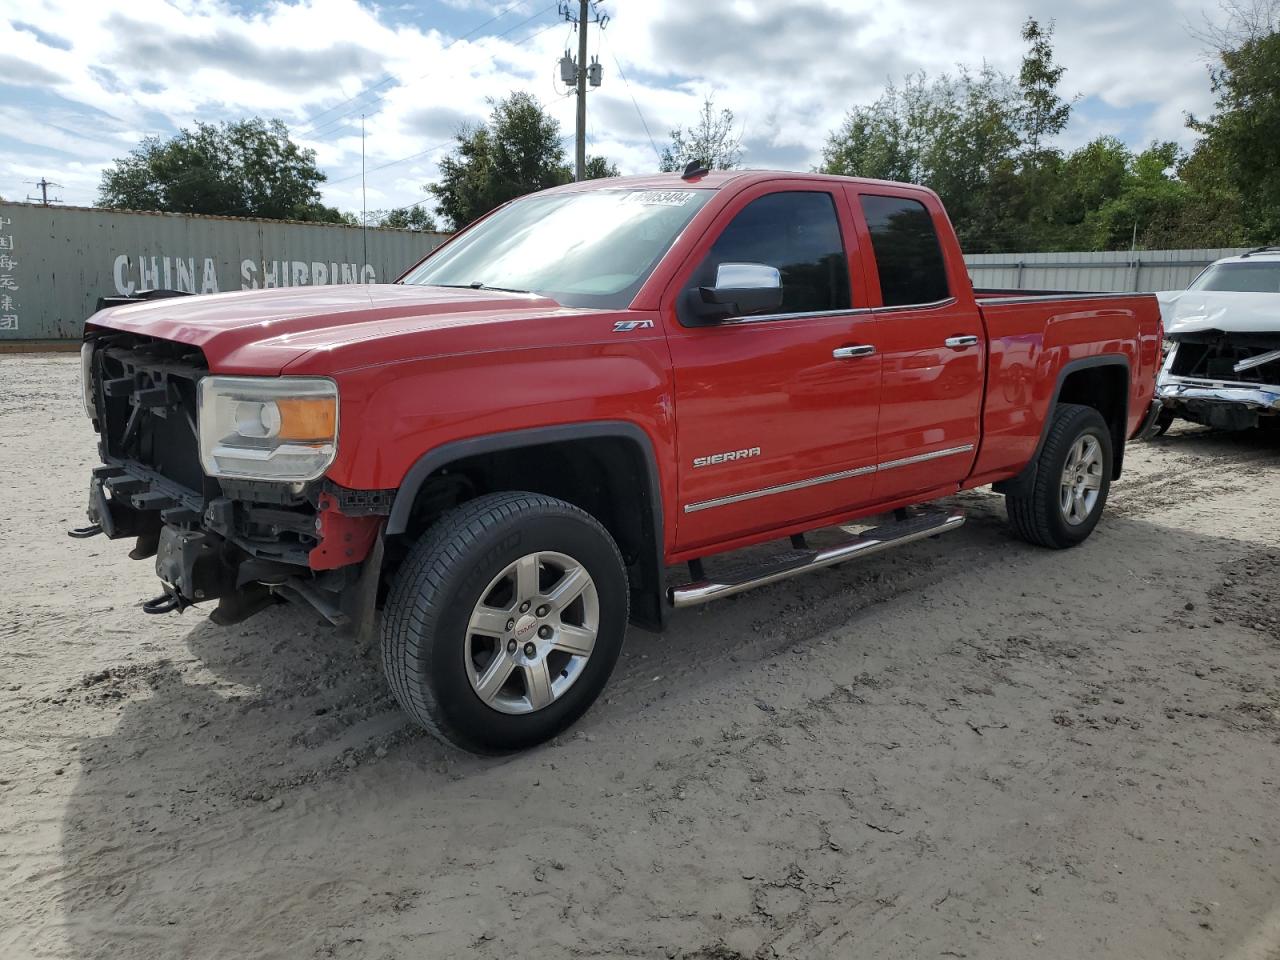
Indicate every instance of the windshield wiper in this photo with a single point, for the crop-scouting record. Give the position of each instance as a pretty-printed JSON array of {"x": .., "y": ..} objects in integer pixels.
[{"x": 478, "y": 285}]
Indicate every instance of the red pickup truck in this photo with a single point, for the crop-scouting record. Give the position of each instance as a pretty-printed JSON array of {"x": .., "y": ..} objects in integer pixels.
[{"x": 497, "y": 457}]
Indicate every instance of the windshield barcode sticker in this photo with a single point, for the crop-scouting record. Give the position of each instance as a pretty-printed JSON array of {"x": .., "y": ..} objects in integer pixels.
[{"x": 665, "y": 198}]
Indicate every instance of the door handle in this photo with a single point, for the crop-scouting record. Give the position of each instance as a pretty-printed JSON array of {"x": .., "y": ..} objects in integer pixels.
[
  {"x": 959, "y": 343},
  {"x": 852, "y": 353}
]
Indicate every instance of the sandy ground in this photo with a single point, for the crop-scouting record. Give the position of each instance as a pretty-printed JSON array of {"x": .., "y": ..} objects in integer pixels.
[{"x": 968, "y": 748}]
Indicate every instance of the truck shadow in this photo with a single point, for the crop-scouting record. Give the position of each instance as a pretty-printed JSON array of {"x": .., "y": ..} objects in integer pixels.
[
  {"x": 280, "y": 718},
  {"x": 1184, "y": 437}
]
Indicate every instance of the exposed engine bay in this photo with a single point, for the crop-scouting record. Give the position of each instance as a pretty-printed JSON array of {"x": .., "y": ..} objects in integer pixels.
[
  {"x": 243, "y": 543},
  {"x": 1222, "y": 367}
]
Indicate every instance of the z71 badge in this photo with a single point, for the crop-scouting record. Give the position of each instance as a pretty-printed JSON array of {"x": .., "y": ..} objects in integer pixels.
[
  {"x": 626, "y": 326},
  {"x": 725, "y": 457}
]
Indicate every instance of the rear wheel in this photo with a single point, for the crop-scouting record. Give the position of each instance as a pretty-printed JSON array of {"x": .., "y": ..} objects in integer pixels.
[
  {"x": 1073, "y": 477},
  {"x": 504, "y": 623}
]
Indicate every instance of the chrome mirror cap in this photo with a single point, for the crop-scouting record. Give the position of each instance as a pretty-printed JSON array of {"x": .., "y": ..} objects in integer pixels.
[{"x": 748, "y": 276}]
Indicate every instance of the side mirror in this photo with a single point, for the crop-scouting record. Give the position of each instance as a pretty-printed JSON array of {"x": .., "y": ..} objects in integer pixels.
[{"x": 744, "y": 289}]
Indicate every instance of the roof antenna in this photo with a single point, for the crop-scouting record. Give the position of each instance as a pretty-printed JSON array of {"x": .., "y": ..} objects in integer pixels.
[{"x": 694, "y": 169}]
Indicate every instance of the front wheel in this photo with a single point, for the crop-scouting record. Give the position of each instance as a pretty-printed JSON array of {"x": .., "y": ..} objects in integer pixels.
[
  {"x": 1073, "y": 477},
  {"x": 505, "y": 621}
]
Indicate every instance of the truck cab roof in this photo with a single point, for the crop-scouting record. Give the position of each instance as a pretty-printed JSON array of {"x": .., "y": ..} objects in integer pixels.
[{"x": 718, "y": 179}]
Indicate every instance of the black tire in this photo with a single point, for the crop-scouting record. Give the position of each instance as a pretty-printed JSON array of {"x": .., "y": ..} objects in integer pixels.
[
  {"x": 1036, "y": 515},
  {"x": 1164, "y": 420},
  {"x": 433, "y": 594}
]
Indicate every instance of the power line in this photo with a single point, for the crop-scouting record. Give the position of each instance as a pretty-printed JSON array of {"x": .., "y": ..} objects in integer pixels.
[
  {"x": 317, "y": 128},
  {"x": 538, "y": 34},
  {"x": 439, "y": 146},
  {"x": 330, "y": 124},
  {"x": 617, "y": 63},
  {"x": 392, "y": 163},
  {"x": 391, "y": 76}
]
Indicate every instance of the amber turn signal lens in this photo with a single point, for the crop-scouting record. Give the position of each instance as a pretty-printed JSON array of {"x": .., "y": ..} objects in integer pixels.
[{"x": 308, "y": 418}]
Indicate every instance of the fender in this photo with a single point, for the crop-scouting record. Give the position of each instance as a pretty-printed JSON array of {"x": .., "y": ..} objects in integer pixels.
[
  {"x": 442, "y": 456},
  {"x": 1024, "y": 480}
]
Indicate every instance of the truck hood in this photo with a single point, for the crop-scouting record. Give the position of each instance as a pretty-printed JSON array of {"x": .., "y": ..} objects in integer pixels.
[
  {"x": 264, "y": 331},
  {"x": 1190, "y": 311}
]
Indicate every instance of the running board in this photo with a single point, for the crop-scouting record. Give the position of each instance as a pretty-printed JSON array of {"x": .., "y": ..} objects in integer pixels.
[{"x": 794, "y": 562}]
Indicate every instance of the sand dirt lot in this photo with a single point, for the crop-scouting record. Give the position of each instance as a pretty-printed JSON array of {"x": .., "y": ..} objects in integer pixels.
[{"x": 969, "y": 748}]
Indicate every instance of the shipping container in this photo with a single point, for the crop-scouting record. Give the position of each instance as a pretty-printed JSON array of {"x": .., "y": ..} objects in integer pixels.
[{"x": 56, "y": 261}]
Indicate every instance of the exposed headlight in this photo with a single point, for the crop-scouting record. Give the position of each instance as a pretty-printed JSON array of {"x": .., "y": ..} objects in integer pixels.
[
  {"x": 86, "y": 378},
  {"x": 263, "y": 428}
]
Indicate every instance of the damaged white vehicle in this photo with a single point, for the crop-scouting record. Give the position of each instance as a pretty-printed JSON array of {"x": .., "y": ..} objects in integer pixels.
[{"x": 1223, "y": 366}]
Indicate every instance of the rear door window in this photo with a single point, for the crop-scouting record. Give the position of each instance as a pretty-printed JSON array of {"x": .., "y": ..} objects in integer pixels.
[
  {"x": 798, "y": 232},
  {"x": 908, "y": 254}
]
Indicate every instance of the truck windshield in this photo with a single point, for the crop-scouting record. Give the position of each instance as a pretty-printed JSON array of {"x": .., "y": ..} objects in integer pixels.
[
  {"x": 590, "y": 249},
  {"x": 1261, "y": 276}
]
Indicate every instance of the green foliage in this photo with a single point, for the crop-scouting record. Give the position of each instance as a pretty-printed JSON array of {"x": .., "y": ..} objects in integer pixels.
[
  {"x": 712, "y": 141},
  {"x": 598, "y": 168},
  {"x": 957, "y": 134},
  {"x": 1243, "y": 132},
  {"x": 986, "y": 143},
  {"x": 518, "y": 151},
  {"x": 1044, "y": 114},
  {"x": 404, "y": 218},
  {"x": 245, "y": 169}
]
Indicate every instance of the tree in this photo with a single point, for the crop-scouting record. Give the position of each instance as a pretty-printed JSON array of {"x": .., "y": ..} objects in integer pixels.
[
  {"x": 981, "y": 139},
  {"x": 882, "y": 140},
  {"x": 712, "y": 142},
  {"x": 1242, "y": 20},
  {"x": 1147, "y": 201},
  {"x": 987, "y": 144},
  {"x": 598, "y": 168},
  {"x": 1044, "y": 113},
  {"x": 518, "y": 151},
  {"x": 405, "y": 218},
  {"x": 957, "y": 134},
  {"x": 1243, "y": 132},
  {"x": 245, "y": 169}
]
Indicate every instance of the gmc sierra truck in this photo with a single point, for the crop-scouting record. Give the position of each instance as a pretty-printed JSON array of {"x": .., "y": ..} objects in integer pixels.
[{"x": 491, "y": 463}]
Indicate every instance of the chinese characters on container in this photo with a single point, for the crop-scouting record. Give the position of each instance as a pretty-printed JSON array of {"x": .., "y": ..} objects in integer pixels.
[{"x": 8, "y": 277}]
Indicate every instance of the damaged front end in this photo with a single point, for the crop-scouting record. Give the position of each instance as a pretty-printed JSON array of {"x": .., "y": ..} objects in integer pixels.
[
  {"x": 1222, "y": 379},
  {"x": 220, "y": 479}
]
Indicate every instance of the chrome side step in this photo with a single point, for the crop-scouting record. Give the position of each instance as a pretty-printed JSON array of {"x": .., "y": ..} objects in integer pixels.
[{"x": 794, "y": 562}]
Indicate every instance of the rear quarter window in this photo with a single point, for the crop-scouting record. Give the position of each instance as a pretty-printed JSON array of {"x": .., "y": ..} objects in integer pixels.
[{"x": 908, "y": 254}]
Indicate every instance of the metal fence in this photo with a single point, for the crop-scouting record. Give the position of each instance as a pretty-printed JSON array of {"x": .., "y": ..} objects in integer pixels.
[
  {"x": 1143, "y": 271},
  {"x": 56, "y": 261}
]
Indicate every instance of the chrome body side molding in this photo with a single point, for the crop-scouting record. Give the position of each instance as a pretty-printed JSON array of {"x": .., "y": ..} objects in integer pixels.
[{"x": 825, "y": 478}]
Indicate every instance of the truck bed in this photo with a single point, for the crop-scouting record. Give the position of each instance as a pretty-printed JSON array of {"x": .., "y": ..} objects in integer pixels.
[{"x": 1035, "y": 338}]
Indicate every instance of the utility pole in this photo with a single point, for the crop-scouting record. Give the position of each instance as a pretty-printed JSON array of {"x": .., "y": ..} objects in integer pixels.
[
  {"x": 580, "y": 161},
  {"x": 579, "y": 72},
  {"x": 44, "y": 185}
]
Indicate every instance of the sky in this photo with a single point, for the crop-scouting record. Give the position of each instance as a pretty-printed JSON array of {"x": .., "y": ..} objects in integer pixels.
[{"x": 83, "y": 81}]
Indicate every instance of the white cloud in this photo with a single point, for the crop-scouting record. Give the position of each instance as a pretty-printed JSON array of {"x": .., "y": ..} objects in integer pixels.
[{"x": 789, "y": 69}]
